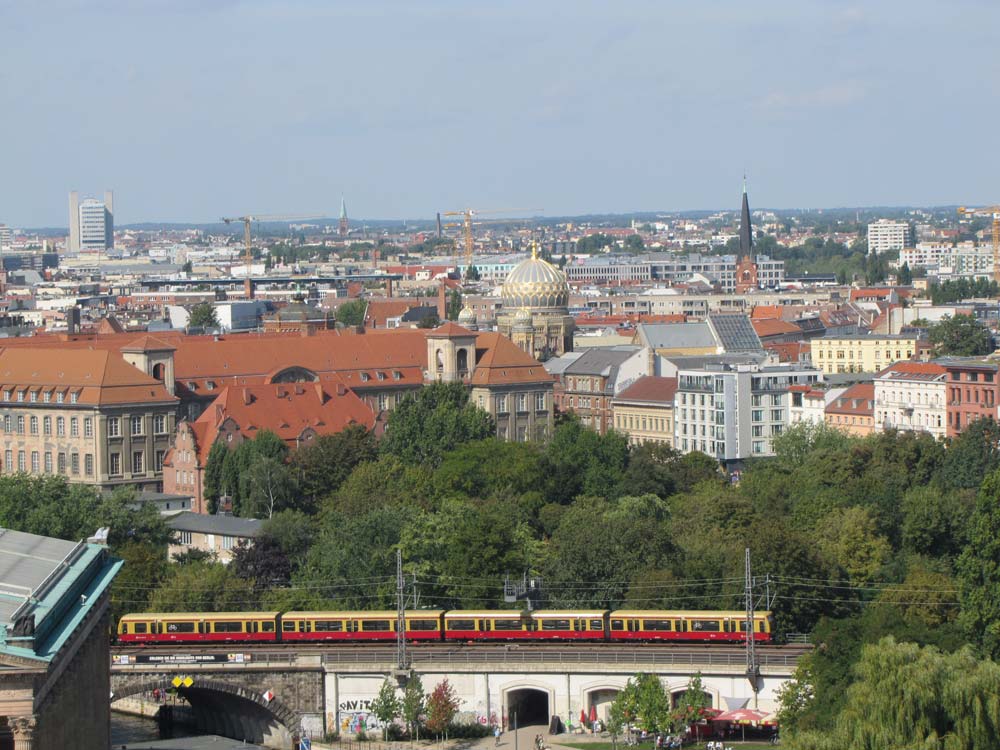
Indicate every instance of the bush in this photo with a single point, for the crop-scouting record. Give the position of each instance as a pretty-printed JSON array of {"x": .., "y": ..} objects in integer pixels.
[
  {"x": 395, "y": 733},
  {"x": 468, "y": 731}
]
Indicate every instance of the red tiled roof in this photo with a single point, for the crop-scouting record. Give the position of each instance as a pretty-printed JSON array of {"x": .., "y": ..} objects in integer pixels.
[
  {"x": 923, "y": 370},
  {"x": 774, "y": 327},
  {"x": 500, "y": 361},
  {"x": 650, "y": 388},
  {"x": 858, "y": 400}
]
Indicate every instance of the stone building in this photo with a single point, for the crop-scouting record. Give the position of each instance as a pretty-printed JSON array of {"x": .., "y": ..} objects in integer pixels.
[
  {"x": 645, "y": 410},
  {"x": 54, "y": 650},
  {"x": 535, "y": 314}
]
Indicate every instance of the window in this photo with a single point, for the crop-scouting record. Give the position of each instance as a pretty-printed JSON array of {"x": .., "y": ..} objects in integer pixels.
[
  {"x": 228, "y": 542},
  {"x": 180, "y": 627},
  {"x": 382, "y": 402},
  {"x": 522, "y": 402},
  {"x": 47, "y": 396},
  {"x": 370, "y": 626},
  {"x": 61, "y": 463},
  {"x": 159, "y": 424},
  {"x": 184, "y": 537},
  {"x": 20, "y": 425},
  {"x": 8, "y": 460},
  {"x": 539, "y": 402},
  {"x": 46, "y": 425},
  {"x": 553, "y": 624},
  {"x": 88, "y": 464},
  {"x": 137, "y": 462},
  {"x": 7, "y": 423},
  {"x": 34, "y": 462},
  {"x": 705, "y": 626},
  {"x": 33, "y": 425},
  {"x": 422, "y": 625},
  {"x": 776, "y": 415},
  {"x": 20, "y": 395},
  {"x": 74, "y": 463},
  {"x": 60, "y": 426},
  {"x": 33, "y": 397},
  {"x": 114, "y": 427},
  {"x": 158, "y": 464},
  {"x": 74, "y": 397},
  {"x": 74, "y": 427},
  {"x": 20, "y": 461},
  {"x": 757, "y": 415},
  {"x": 115, "y": 460},
  {"x": 48, "y": 462},
  {"x": 60, "y": 397},
  {"x": 460, "y": 624},
  {"x": 328, "y": 626},
  {"x": 88, "y": 427},
  {"x": 136, "y": 425},
  {"x": 501, "y": 404},
  {"x": 6, "y": 395}
]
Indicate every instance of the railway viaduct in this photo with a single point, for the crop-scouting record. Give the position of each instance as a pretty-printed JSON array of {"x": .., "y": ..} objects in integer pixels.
[{"x": 270, "y": 695}]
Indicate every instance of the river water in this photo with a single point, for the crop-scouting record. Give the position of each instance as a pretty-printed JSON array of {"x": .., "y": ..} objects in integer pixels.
[{"x": 128, "y": 730}]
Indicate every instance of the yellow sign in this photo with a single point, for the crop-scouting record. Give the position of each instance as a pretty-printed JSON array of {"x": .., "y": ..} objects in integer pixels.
[
  {"x": 188, "y": 682},
  {"x": 176, "y": 682}
]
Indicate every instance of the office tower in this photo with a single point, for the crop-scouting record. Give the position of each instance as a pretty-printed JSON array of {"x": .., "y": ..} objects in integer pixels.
[{"x": 92, "y": 225}]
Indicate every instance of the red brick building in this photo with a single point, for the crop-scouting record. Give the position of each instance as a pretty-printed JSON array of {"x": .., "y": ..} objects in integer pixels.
[{"x": 971, "y": 392}]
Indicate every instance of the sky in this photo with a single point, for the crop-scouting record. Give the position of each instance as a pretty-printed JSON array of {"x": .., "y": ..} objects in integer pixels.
[{"x": 195, "y": 109}]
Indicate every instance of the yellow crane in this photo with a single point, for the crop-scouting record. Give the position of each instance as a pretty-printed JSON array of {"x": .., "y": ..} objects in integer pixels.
[
  {"x": 248, "y": 220},
  {"x": 467, "y": 216},
  {"x": 994, "y": 213}
]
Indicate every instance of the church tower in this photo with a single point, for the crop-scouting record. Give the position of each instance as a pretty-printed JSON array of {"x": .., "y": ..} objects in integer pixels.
[
  {"x": 342, "y": 227},
  {"x": 746, "y": 268}
]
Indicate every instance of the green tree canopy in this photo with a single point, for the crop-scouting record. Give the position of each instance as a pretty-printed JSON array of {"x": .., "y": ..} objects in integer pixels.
[
  {"x": 352, "y": 312},
  {"x": 960, "y": 336},
  {"x": 203, "y": 316}
]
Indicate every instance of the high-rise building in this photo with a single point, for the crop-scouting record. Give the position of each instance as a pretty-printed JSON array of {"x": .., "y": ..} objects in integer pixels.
[
  {"x": 885, "y": 235},
  {"x": 91, "y": 223},
  {"x": 6, "y": 238}
]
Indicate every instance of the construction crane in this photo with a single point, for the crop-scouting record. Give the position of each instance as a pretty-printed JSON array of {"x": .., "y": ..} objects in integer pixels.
[
  {"x": 994, "y": 213},
  {"x": 248, "y": 220},
  {"x": 466, "y": 224}
]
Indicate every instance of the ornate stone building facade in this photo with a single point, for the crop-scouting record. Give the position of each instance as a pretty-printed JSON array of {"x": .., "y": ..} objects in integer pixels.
[{"x": 535, "y": 313}]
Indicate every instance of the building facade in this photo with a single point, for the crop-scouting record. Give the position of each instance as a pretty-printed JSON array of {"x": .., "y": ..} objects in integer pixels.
[
  {"x": 733, "y": 412},
  {"x": 590, "y": 383},
  {"x": 645, "y": 410},
  {"x": 535, "y": 313},
  {"x": 911, "y": 396},
  {"x": 885, "y": 235},
  {"x": 972, "y": 392},
  {"x": 91, "y": 223},
  {"x": 862, "y": 352},
  {"x": 853, "y": 411}
]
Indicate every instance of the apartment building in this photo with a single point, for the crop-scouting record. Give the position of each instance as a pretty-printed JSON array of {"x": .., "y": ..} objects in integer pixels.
[
  {"x": 645, "y": 410},
  {"x": 591, "y": 380},
  {"x": 862, "y": 352},
  {"x": 886, "y": 234},
  {"x": 733, "y": 411},
  {"x": 972, "y": 392},
  {"x": 84, "y": 414},
  {"x": 911, "y": 396},
  {"x": 853, "y": 411},
  {"x": 719, "y": 270}
]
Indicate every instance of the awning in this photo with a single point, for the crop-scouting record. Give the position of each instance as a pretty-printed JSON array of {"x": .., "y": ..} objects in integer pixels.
[{"x": 742, "y": 716}]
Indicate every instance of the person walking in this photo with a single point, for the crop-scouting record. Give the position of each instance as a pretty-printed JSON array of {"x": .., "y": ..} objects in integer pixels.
[{"x": 496, "y": 734}]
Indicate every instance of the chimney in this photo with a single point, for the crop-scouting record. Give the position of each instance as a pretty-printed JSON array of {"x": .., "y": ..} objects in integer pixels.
[
  {"x": 442, "y": 303},
  {"x": 388, "y": 288},
  {"x": 341, "y": 389},
  {"x": 247, "y": 398}
]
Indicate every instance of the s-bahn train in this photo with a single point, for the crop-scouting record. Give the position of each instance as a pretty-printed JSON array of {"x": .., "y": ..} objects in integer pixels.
[{"x": 436, "y": 625}]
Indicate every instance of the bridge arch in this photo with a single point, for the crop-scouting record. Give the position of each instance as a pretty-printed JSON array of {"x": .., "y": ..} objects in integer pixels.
[
  {"x": 532, "y": 701},
  {"x": 228, "y": 709},
  {"x": 600, "y": 696}
]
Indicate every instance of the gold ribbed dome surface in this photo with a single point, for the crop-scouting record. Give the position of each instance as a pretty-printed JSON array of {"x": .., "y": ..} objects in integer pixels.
[{"x": 535, "y": 284}]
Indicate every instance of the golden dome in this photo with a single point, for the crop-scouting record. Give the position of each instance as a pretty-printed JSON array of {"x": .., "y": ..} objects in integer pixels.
[{"x": 535, "y": 284}]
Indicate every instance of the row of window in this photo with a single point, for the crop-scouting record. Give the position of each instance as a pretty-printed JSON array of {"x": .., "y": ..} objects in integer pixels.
[
  {"x": 501, "y": 403},
  {"x": 69, "y": 463},
  {"x": 840, "y": 354},
  {"x": 16, "y": 425},
  {"x": 32, "y": 396},
  {"x": 137, "y": 425},
  {"x": 637, "y": 422}
]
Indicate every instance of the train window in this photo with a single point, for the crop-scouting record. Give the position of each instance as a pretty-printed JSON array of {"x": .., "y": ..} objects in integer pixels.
[
  {"x": 597, "y": 624},
  {"x": 138, "y": 627},
  {"x": 328, "y": 626},
  {"x": 657, "y": 625},
  {"x": 506, "y": 624},
  {"x": 705, "y": 626},
  {"x": 423, "y": 625},
  {"x": 484, "y": 626},
  {"x": 289, "y": 626},
  {"x": 382, "y": 626},
  {"x": 461, "y": 624},
  {"x": 228, "y": 627},
  {"x": 555, "y": 624},
  {"x": 617, "y": 624},
  {"x": 633, "y": 626},
  {"x": 267, "y": 626},
  {"x": 180, "y": 627}
]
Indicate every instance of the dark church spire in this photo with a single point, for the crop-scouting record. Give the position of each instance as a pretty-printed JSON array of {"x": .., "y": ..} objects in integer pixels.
[{"x": 746, "y": 231}]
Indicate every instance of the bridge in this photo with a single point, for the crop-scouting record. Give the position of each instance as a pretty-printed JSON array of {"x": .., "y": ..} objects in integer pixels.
[{"x": 269, "y": 694}]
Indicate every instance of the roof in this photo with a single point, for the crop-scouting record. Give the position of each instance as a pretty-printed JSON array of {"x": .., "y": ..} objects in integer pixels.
[
  {"x": 858, "y": 400},
  {"x": 224, "y": 525},
  {"x": 928, "y": 371},
  {"x": 450, "y": 330},
  {"x": 499, "y": 361},
  {"x": 775, "y": 327},
  {"x": 734, "y": 332},
  {"x": 51, "y": 584},
  {"x": 290, "y": 410},
  {"x": 94, "y": 376},
  {"x": 602, "y": 360},
  {"x": 650, "y": 389},
  {"x": 675, "y": 335}
]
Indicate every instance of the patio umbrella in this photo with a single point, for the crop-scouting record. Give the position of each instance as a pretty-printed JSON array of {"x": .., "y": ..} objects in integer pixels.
[
  {"x": 741, "y": 716},
  {"x": 583, "y": 718},
  {"x": 770, "y": 720},
  {"x": 593, "y": 713}
]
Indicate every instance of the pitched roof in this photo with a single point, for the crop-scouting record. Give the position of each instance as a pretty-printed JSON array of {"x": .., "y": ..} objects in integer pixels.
[
  {"x": 675, "y": 336},
  {"x": 503, "y": 362},
  {"x": 928, "y": 371},
  {"x": 734, "y": 332},
  {"x": 201, "y": 523},
  {"x": 95, "y": 376},
  {"x": 858, "y": 400},
  {"x": 775, "y": 327},
  {"x": 450, "y": 330},
  {"x": 650, "y": 389}
]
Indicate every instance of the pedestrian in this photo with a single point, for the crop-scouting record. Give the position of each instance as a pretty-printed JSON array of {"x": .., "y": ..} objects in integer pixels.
[{"x": 496, "y": 734}]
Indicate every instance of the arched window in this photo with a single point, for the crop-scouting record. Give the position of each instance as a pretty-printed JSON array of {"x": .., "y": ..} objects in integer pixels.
[
  {"x": 463, "y": 360},
  {"x": 159, "y": 371},
  {"x": 440, "y": 361}
]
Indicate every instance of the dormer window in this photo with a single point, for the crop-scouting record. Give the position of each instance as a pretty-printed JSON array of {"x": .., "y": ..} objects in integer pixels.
[
  {"x": 7, "y": 395},
  {"x": 397, "y": 375},
  {"x": 380, "y": 375},
  {"x": 20, "y": 395},
  {"x": 33, "y": 397},
  {"x": 47, "y": 396},
  {"x": 60, "y": 397},
  {"x": 73, "y": 397},
  {"x": 365, "y": 377}
]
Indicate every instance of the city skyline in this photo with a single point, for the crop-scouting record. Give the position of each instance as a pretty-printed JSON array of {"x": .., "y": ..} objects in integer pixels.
[{"x": 277, "y": 107}]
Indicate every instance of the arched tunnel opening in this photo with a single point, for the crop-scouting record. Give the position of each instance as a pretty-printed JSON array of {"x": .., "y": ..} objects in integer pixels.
[
  {"x": 600, "y": 701},
  {"x": 529, "y": 705},
  {"x": 229, "y": 715}
]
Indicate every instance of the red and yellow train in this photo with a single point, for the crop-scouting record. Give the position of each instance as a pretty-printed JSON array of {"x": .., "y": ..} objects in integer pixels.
[{"x": 435, "y": 625}]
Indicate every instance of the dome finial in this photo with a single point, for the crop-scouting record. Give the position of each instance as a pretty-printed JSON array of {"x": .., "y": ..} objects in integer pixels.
[{"x": 534, "y": 249}]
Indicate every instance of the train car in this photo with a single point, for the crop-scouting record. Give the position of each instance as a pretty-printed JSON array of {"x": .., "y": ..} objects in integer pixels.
[
  {"x": 685, "y": 625},
  {"x": 421, "y": 625},
  {"x": 512, "y": 625},
  {"x": 198, "y": 627}
]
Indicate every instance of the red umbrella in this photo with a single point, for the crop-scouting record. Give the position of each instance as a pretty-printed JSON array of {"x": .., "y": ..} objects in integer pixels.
[
  {"x": 583, "y": 717},
  {"x": 593, "y": 713}
]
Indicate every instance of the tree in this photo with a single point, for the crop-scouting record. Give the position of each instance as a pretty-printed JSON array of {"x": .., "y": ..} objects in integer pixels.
[
  {"x": 293, "y": 531},
  {"x": 905, "y": 275},
  {"x": 692, "y": 704},
  {"x": 187, "y": 267},
  {"x": 796, "y": 697},
  {"x": 472, "y": 274},
  {"x": 352, "y": 312},
  {"x": 436, "y": 419},
  {"x": 960, "y": 336},
  {"x": 262, "y": 562},
  {"x": 972, "y": 455},
  {"x": 634, "y": 244},
  {"x": 413, "y": 705},
  {"x": 271, "y": 487},
  {"x": 203, "y": 316},
  {"x": 978, "y": 571},
  {"x": 454, "y": 305},
  {"x": 203, "y": 587},
  {"x": 213, "y": 474},
  {"x": 431, "y": 320},
  {"x": 386, "y": 706},
  {"x": 442, "y": 705},
  {"x": 624, "y": 709},
  {"x": 322, "y": 466},
  {"x": 652, "y": 703}
]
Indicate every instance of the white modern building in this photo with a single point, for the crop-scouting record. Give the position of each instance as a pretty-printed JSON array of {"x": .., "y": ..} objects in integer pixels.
[
  {"x": 91, "y": 223},
  {"x": 675, "y": 269},
  {"x": 6, "y": 238},
  {"x": 911, "y": 396},
  {"x": 733, "y": 411},
  {"x": 885, "y": 235}
]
